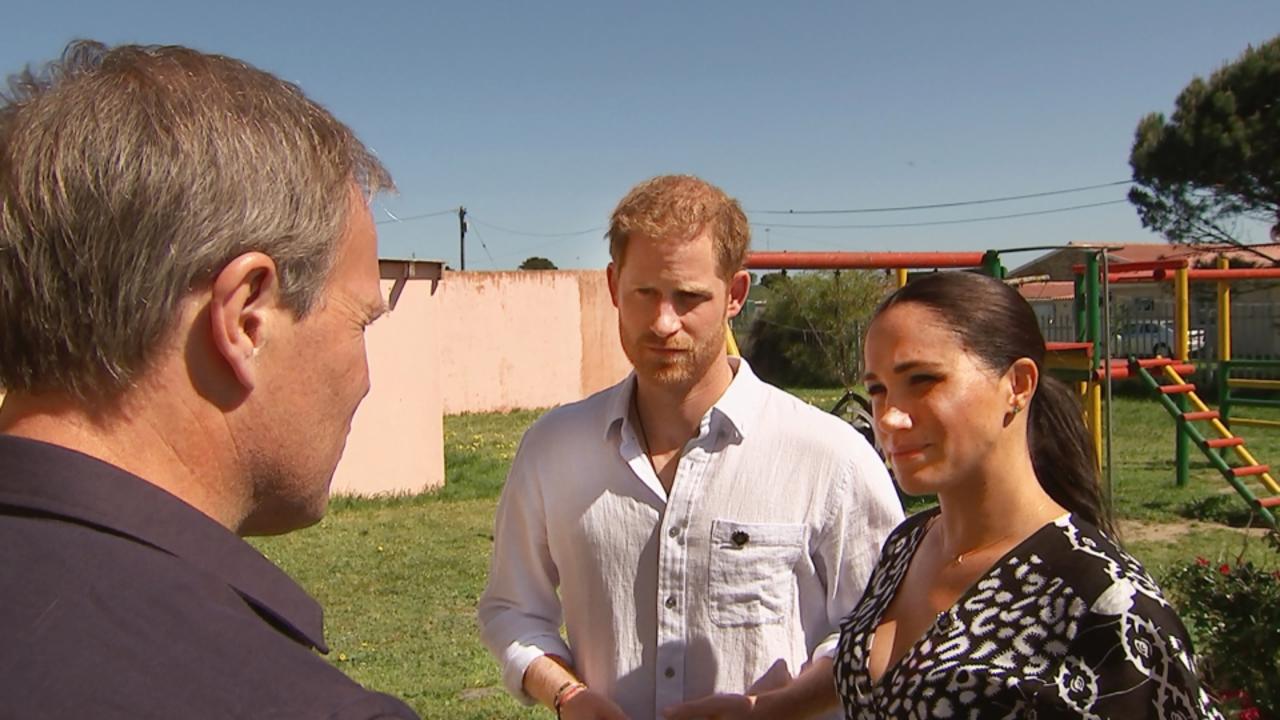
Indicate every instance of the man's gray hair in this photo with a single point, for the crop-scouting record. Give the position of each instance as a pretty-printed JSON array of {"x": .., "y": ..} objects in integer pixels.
[{"x": 129, "y": 177}]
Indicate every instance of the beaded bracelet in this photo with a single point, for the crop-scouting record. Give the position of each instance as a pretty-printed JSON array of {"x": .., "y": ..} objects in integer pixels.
[{"x": 559, "y": 698}]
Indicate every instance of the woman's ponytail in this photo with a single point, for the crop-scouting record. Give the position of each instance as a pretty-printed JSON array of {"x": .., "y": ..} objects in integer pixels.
[{"x": 1062, "y": 452}]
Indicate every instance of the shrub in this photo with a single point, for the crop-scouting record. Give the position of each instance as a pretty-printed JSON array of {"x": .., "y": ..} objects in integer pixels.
[
  {"x": 809, "y": 332},
  {"x": 1233, "y": 615}
]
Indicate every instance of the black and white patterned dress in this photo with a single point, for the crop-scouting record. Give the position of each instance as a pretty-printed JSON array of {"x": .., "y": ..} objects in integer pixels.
[{"x": 1066, "y": 625}]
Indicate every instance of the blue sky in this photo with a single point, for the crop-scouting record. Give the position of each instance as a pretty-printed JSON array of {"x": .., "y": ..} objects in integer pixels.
[{"x": 539, "y": 116}]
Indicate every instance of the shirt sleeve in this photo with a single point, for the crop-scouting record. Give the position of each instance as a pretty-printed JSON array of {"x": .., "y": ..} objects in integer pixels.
[
  {"x": 1133, "y": 661},
  {"x": 864, "y": 510},
  {"x": 519, "y": 612}
]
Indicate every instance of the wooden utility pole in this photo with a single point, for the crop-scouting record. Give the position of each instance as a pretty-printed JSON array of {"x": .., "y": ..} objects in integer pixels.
[{"x": 462, "y": 238}]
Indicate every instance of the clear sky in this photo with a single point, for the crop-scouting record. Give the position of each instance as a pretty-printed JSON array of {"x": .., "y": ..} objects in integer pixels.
[{"x": 539, "y": 116}]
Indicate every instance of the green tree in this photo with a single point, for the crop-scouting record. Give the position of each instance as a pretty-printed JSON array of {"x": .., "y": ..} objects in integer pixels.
[
  {"x": 809, "y": 330},
  {"x": 1216, "y": 162},
  {"x": 537, "y": 263}
]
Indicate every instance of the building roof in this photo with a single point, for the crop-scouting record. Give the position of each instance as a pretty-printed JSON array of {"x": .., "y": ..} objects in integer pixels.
[
  {"x": 1199, "y": 255},
  {"x": 1047, "y": 290}
]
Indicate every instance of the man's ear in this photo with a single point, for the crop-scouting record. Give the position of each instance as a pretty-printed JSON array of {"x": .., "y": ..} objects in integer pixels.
[
  {"x": 244, "y": 296},
  {"x": 611, "y": 273},
  {"x": 739, "y": 286}
]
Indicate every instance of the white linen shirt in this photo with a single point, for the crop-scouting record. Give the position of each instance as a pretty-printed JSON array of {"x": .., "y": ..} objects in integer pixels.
[{"x": 773, "y": 525}]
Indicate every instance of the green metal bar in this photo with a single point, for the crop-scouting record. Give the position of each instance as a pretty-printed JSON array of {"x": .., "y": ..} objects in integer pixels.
[
  {"x": 1078, "y": 305},
  {"x": 1154, "y": 386},
  {"x": 1181, "y": 446},
  {"x": 1247, "y": 363},
  {"x": 991, "y": 264},
  {"x": 1189, "y": 431},
  {"x": 1225, "y": 469},
  {"x": 1255, "y": 402},
  {"x": 1093, "y": 310},
  {"x": 1220, "y": 375}
]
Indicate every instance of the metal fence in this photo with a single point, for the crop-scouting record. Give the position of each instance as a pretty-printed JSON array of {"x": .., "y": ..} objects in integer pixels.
[{"x": 1142, "y": 327}]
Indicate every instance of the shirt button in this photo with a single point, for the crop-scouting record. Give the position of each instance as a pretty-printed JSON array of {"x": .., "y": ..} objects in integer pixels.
[
  {"x": 674, "y": 531},
  {"x": 671, "y": 601},
  {"x": 669, "y": 672},
  {"x": 740, "y": 538}
]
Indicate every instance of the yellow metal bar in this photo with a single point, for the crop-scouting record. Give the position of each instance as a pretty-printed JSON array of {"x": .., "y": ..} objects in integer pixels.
[
  {"x": 1095, "y": 419},
  {"x": 1182, "y": 314},
  {"x": 902, "y": 277},
  {"x": 1224, "y": 431},
  {"x": 1253, "y": 384},
  {"x": 730, "y": 344},
  {"x": 1255, "y": 422},
  {"x": 1224, "y": 313}
]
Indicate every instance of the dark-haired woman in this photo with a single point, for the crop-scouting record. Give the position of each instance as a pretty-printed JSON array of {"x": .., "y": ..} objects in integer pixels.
[{"x": 1010, "y": 599}]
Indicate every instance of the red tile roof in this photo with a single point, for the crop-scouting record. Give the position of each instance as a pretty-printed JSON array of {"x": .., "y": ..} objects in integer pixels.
[{"x": 1047, "y": 290}]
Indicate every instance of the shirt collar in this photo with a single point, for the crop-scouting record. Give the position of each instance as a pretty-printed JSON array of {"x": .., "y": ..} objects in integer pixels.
[
  {"x": 738, "y": 406},
  {"x": 741, "y": 402},
  {"x": 66, "y": 483}
]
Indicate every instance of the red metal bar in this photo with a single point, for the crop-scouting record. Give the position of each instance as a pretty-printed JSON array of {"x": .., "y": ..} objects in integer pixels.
[
  {"x": 1224, "y": 442},
  {"x": 1177, "y": 389},
  {"x": 1067, "y": 346},
  {"x": 1213, "y": 274},
  {"x": 1201, "y": 415},
  {"x": 1146, "y": 266},
  {"x": 1269, "y": 502},
  {"x": 1216, "y": 275},
  {"x": 1161, "y": 362},
  {"x": 1120, "y": 368},
  {"x": 1250, "y": 470},
  {"x": 861, "y": 260},
  {"x": 1119, "y": 278}
]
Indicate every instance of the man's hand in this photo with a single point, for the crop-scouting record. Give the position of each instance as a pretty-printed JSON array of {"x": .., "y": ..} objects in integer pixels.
[
  {"x": 588, "y": 705},
  {"x": 775, "y": 696},
  {"x": 717, "y": 707}
]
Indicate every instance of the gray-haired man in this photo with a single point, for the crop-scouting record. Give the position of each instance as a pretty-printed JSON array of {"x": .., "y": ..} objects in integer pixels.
[{"x": 187, "y": 265}]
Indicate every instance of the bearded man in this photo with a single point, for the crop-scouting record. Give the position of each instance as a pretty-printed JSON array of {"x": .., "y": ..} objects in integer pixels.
[{"x": 699, "y": 532}]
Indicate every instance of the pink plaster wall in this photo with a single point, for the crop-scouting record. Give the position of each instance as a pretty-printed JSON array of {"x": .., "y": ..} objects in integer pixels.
[
  {"x": 526, "y": 339},
  {"x": 396, "y": 443},
  {"x": 472, "y": 342},
  {"x": 604, "y": 363}
]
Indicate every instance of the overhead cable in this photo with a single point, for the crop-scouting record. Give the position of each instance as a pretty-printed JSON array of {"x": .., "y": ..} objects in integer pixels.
[
  {"x": 958, "y": 221},
  {"x": 933, "y": 206}
]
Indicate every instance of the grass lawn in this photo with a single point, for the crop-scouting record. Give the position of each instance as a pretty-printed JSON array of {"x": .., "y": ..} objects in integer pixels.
[{"x": 399, "y": 577}]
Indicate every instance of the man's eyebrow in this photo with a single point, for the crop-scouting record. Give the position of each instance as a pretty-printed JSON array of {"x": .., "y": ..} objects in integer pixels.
[{"x": 695, "y": 289}]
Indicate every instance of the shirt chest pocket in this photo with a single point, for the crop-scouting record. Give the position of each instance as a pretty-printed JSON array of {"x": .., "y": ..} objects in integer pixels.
[{"x": 752, "y": 572}]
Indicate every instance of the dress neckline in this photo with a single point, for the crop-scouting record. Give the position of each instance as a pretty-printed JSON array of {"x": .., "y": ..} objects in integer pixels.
[{"x": 913, "y": 544}]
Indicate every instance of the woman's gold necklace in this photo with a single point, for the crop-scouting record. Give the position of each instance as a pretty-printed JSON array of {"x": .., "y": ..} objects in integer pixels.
[{"x": 959, "y": 558}]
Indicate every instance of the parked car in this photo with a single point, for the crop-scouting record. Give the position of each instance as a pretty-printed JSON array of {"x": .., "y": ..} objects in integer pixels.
[{"x": 1152, "y": 337}]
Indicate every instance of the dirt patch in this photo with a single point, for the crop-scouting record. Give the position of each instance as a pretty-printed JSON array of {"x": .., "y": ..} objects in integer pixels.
[{"x": 1143, "y": 531}]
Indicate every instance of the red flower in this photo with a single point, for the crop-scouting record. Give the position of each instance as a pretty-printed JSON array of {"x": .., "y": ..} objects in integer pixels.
[
  {"x": 1225, "y": 569},
  {"x": 1250, "y": 713},
  {"x": 1203, "y": 562}
]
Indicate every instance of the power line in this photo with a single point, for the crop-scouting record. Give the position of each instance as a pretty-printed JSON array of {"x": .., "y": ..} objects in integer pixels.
[
  {"x": 535, "y": 234},
  {"x": 959, "y": 221},
  {"x": 492, "y": 263},
  {"x": 408, "y": 218},
  {"x": 850, "y": 211},
  {"x": 528, "y": 250},
  {"x": 933, "y": 206}
]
